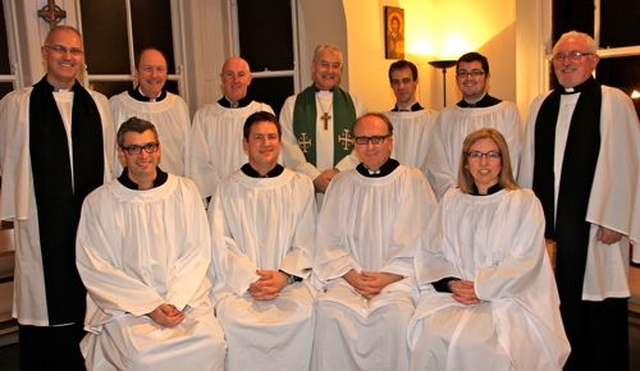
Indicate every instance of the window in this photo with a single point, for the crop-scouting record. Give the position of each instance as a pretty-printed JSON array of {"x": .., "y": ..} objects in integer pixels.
[
  {"x": 9, "y": 72},
  {"x": 616, "y": 31},
  {"x": 132, "y": 25},
  {"x": 264, "y": 36}
]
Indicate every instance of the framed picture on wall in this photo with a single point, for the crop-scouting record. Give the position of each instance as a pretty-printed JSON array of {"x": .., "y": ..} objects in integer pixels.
[{"x": 393, "y": 32}]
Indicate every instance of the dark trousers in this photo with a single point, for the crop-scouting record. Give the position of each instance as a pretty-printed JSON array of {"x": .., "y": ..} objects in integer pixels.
[
  {"x": 51, "y": 348},
  {"x": 600, "y": 338}
]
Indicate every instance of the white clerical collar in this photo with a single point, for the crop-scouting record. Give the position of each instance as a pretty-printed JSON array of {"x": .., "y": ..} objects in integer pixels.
[
  {"x": 150, "y": 99},
  {"x": 472, "y": 104},
  {"x": 406, "y": 108}
]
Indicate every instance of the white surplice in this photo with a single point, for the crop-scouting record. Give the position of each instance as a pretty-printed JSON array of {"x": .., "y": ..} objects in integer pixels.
[
  {"x": 18, "y": 202},
  {"x": 135, "y": 251},
  {"x": 370, "y": 224},
  {"x": 265, "y": 223},
  {"x": 172, "y": 120},
  {"x": 412, "y": 135},
  {"x": 451, "y": 128},
  {"x": 615, "y": 194},
  {"x": 216, "y": 143},
  {"x": 496, "y": 241}
]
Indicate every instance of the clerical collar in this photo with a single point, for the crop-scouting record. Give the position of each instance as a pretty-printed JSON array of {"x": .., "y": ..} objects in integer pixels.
[
  {"x": 588, "y": 83},
  {"x": 317, "y": 89},
  {"x": 253, "y": 173},
  {"x": 56, "y": 89},
  {"x": 414, "y": 107},
  {"x": 486, "y": 101},
  {"x": 493, "y": 189},
  {"x": 386, "y": 169},
  {"x": 137, "y": 95},
  {"x": 224, "y": 102},
  {"x": 161, "y": 178}
]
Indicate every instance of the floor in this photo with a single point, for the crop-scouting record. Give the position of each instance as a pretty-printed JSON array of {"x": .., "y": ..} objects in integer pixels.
[{"x": 9, "y": 353}]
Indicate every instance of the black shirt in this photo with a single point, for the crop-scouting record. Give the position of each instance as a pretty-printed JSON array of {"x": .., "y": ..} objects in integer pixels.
[
  {"x": 137, "y": 95},
  {"x": 386, "y": 169},
  {"x": 161, "y": 178},
  {"x": 241, "y": 103},
  {"x": 415, "y": 107},
  {"x": 486, "y": 101},
  {"x": 251, "y": 172}
]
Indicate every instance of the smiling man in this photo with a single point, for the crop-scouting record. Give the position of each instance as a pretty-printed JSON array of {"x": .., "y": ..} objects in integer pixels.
[
  {"x": 263, "y": 218},
  {"x": 314, "y": 121},
  {"x": 412, "y": 123},
  {"x": 477, "y": 109},
  {"x": 144, "y": 251},
  {"x": 149, "y": 101},
  {"x": 368, "y": 231},
  {"x": 581, "y": 158},
  {"x": 216, "y": 136},
  {"x": 56, "y": 146}
]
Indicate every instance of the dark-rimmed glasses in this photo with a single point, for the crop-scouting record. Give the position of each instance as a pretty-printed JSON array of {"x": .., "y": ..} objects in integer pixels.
[
  {"x": 136, "y": 150},
  {"x": 461, "y": 74},
  {"x": 375, "y": 139}
]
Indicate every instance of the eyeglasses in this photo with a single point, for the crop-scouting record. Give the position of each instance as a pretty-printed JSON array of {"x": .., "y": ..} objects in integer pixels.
[
  {"x": 573, "y": 56},
  {"x": 376, "y": 139},
  {"x": 64, "y": 50},
  {"x": 491, "y": 155},
  {"x": 136, "y": 150},
  {"x": 473, "y": 73}
]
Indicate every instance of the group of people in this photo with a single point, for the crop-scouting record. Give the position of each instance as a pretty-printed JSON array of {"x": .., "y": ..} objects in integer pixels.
[{"x": 327, "y": 239}]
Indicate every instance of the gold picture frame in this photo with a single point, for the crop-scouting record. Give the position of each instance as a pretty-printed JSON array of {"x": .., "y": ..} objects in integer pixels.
[{"x": 393, "y": 32}]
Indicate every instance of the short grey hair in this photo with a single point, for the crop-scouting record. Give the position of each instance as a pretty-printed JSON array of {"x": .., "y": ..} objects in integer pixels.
[
  {"x": 592, "y": 47},
  {"x": 326, "y": 47}
]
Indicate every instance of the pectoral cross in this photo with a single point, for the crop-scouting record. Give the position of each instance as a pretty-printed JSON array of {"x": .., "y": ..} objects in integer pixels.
[
  {"x": 326, "y": 117},
  {"x": 52, "y": 13}
]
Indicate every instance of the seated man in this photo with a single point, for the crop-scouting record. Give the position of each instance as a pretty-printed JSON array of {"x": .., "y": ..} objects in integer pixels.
[
  {"x": 367, "y": 235},
  {"x": 143, "y": 250},
  {"x": 265, "y": 216}
]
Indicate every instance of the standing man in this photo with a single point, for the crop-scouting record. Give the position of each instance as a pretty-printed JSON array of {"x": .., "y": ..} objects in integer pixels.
[
  {"x": 56, "y": 142},
  {"x": 216, "y": 137},
  {"x": 144, "y": 249},
  {"x": 367, "y": 236},
  {"x": 581, "y": 158},
  {"x": 266, "y": 216},
  {"x": 476, "y": 110},
  {"x": 316, "y": 123},
  {"x": 149, "y": 101},
  {"x": 412, "y": 123}
]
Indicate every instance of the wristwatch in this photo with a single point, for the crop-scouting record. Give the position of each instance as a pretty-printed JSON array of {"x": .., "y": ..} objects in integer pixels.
[{"x": 291, "y": 279}]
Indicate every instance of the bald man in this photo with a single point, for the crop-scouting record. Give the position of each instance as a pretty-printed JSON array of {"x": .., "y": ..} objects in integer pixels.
[{"x": 216, "y": 136}]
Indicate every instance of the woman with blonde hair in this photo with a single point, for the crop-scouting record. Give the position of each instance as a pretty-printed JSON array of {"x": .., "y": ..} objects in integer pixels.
[{"x": 488, "y": 299}]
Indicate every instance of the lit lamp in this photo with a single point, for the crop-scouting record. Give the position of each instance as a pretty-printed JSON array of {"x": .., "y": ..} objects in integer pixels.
[{"x": 443, "y": 65}]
